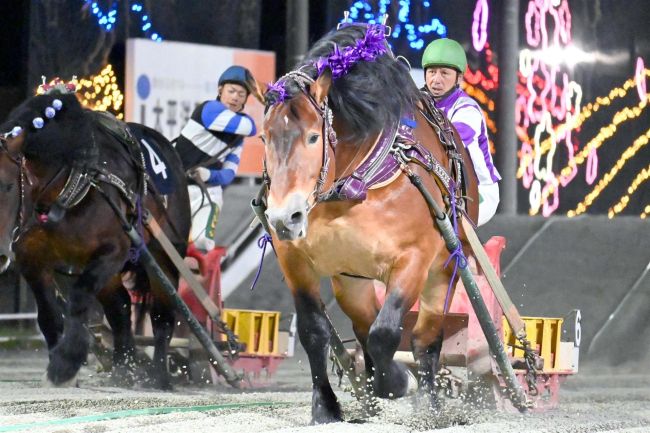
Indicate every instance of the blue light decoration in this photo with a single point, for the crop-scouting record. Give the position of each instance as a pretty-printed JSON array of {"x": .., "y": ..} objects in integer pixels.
[
  {"x": 107, "y": 20},
  {"x": 363, "y": 11}
]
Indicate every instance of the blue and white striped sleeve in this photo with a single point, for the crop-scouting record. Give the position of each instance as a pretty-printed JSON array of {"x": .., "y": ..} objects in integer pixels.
[
  {"x": 226, "y": 174},
  {"x": 215, "y": 116}
]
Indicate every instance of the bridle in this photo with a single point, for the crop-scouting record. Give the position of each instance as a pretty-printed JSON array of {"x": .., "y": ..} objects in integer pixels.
[
  {"x": 329, "y": 136},
  {"x": 19, "y": 221}
]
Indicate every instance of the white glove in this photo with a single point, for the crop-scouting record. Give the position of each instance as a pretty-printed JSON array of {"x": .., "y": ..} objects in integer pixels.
[{"x": 202, "y": 173}]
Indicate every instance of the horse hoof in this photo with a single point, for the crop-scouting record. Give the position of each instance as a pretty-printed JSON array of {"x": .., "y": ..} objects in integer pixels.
[
  {"x": 326, "y": 419},
  {"x": 70, "y": 383},
  {"x": 325, "y": 409}
]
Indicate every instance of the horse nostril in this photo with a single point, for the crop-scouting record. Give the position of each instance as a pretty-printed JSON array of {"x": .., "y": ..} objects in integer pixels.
[{"x": 297, "y": 217}]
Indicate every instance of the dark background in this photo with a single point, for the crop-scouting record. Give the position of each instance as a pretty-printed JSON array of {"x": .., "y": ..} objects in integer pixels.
[{"x": 63, "y": 38}]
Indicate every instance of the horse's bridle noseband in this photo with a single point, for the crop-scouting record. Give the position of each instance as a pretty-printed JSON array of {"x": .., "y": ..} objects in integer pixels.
[{"x": 329, "y": 135}]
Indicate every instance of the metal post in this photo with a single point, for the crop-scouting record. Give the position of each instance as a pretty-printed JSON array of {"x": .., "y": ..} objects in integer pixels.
[
  {"x": 297, "y": 31},
  {"x": 506, "y": 145},
  {"x": 516, "y": 393}
]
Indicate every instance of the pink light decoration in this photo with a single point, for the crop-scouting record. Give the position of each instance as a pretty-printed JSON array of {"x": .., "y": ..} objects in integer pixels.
[
  {"x": 479, "y": 25},
  {"x": 546, "y": 94},
  {"x": 639, "y": 78},
  {"x": 533, "y": 25},
  {"x": 592, "y": 166}
]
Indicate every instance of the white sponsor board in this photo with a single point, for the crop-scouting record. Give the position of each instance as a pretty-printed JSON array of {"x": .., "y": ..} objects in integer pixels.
[{"x": 165, "y": 81}]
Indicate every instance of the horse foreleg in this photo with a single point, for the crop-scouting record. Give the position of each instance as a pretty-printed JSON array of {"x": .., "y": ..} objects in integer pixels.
[
  {"x": 71, "y": 351},
  {"x": 392, "y": 379},
  {"x": 49, "y": 314},
  {"x": 314, "y": 333}
]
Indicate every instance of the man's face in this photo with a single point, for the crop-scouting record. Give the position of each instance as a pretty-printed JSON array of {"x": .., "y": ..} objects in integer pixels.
[
  {"x": 440, "y": 80},
  {"x": 233, "y": 96}
]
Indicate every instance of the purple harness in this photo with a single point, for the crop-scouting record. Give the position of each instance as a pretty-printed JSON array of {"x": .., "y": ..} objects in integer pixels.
[{"x": 395, "y": 146}]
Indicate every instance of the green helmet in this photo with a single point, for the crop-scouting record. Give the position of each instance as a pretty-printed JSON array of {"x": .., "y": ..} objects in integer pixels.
[{"x": 445, "y": 52}]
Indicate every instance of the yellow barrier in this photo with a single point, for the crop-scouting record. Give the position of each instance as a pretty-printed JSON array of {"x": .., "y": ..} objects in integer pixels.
[
  {"x": 544, "y": 334},
  {"x": 257, "y": 329}
]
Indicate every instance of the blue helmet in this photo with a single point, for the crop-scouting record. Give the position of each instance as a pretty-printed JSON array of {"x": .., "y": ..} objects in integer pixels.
[{"x": 237, "y": 75}]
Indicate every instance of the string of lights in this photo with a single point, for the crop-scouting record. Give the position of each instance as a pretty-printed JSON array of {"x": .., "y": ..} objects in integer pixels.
[
  {"x": 625, "y": 200},
  {"x": 646, "y": 212},
  {"x": 99, "y": 92},
  {"x": 363, "y": 11},
  {"x": 108, "y": 20},
  {"x": 609, "y": 176},
  {"x": 589, "y": 109},
  {"x": 589, "y": 153}
]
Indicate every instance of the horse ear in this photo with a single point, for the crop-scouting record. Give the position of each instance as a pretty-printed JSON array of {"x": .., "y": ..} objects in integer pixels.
[
  {"x": 258, "y": 90},
  {"x": 321, "y": 86}
]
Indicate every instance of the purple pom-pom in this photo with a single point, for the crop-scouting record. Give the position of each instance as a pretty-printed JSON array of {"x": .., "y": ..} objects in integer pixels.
[
  {"x": 50, "y": 112},
  {"x": 57, "y": 104},
  {"x": 38, "y": 122}
]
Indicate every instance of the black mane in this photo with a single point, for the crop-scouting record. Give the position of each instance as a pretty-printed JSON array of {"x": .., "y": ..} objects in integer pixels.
[
  {"x": 370, "y": 96},
  {"x": 66, "y": 138}
]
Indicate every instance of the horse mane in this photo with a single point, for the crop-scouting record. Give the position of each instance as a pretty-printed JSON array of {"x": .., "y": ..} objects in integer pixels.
[
  {"x": 66, "y": 138},
  {"x": 372, "y": 95}
]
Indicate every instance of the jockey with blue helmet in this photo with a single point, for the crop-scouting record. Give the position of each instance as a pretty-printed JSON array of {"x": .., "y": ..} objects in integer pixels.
[
  {"x": 444, "y": 63},
  {"x": 210, "y": 147}
]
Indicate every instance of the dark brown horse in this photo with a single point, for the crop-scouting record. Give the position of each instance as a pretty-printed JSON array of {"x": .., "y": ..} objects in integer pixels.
[
  {"x": 389, "y": 236},
  {"x": 58, "y": 176}
]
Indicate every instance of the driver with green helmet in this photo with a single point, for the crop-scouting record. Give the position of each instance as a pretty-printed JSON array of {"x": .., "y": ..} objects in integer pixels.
[{"x": 444, "y": 63}]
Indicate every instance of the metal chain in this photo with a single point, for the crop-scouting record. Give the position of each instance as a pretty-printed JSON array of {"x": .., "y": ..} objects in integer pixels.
[{"x": 530, "y": 358}]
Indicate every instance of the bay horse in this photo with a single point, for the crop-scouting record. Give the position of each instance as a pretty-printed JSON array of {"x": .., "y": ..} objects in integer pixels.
[
  {"x": 60, "y": 175},
  {"x": 325, "y": 120}
]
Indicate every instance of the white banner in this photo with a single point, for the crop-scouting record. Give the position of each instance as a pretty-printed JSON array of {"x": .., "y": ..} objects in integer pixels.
[{"x": 165, "y": 81}]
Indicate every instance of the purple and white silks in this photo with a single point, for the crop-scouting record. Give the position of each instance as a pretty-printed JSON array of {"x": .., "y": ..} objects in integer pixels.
[{"x": 466, "y": 116}]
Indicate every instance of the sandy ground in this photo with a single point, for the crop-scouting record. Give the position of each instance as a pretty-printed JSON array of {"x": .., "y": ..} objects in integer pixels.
[{"x": 593, "y": 401}]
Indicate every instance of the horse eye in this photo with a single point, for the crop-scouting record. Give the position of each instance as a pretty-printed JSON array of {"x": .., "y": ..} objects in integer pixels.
[
  {"x": 313, "y": 138},
  {"x": 263, "y": 138}
]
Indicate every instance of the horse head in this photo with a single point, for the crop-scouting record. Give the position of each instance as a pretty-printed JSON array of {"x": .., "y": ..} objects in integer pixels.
[
  {"x": 55, "y": 135},
  {"x": 297, "y": 149}
]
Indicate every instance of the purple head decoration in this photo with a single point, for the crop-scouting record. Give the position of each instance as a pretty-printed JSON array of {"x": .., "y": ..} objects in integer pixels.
[
  {"x": 341, "y": 60},
  {"x": 367, "y": 49},
  {"x": 278, "y": 88}
]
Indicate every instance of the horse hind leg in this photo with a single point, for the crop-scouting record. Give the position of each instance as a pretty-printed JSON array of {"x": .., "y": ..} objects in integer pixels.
[
  {"x": 117, "y": 308},
  {"x": 162, "y": 322},
  {"x": 427, "y": 336},
  {"x": 356, "y": 298}
]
